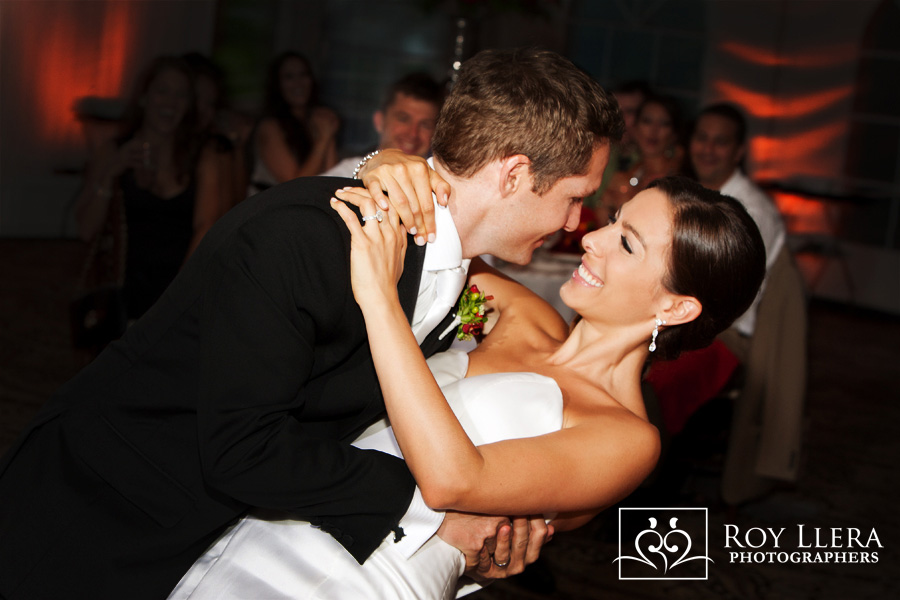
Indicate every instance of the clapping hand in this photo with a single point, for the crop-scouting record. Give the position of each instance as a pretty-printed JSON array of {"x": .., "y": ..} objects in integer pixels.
[{"x": 324, "y": 122}]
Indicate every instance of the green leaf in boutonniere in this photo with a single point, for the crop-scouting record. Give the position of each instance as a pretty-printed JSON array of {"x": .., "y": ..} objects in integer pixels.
[{"x": 470, "y": 315}]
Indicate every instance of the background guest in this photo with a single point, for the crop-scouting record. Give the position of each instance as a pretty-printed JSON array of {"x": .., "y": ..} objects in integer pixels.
[
  {"x": 166, "y": 180},
  {"x": 227, "y": 129},
  {"x": 405, "y": 120},
  {"x": 717, "y": 148},
  {"x": 296, "y": 137},
  {"x": 656, "y": 132},
  {"x": 630, "y": 96}
]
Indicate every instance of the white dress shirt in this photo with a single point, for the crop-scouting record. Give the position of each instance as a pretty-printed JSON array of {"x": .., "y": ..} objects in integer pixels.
[
  {"x": 771, "y": 227},
  {"x": 444, "y": 273}
]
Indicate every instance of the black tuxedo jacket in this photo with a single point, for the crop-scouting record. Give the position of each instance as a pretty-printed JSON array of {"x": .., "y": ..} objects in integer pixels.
[{"x": 242, "y": 387}]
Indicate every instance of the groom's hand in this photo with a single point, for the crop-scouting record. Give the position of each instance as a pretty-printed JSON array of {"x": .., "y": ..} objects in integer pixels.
[{"x": 489, "y": 541}]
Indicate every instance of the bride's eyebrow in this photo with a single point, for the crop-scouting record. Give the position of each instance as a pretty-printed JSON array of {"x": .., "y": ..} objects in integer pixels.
[{"x": 635, "y": 233}]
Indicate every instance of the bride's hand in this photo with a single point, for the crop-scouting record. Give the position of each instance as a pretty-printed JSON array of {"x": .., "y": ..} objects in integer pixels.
[
  {"x": 408, "y": 182},
  {"x": 377, "y": 250}
]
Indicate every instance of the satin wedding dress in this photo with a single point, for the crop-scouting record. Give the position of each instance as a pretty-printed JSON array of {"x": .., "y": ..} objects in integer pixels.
[{"x": 268, "y": 556}]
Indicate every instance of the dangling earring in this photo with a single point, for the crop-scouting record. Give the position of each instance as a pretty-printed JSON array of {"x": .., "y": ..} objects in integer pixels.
[{"x": 655, "y": 333}]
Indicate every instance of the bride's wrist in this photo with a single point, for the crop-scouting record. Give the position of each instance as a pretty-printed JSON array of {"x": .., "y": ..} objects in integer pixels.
[{"x": 381, "y": 305}]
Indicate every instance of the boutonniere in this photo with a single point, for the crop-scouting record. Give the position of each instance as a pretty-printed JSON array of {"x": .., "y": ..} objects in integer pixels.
[{"x": 470, "y": 318}]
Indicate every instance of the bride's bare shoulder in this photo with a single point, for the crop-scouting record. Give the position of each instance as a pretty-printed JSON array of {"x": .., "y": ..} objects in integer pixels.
[
  {"x": 611, "y": 425},
  {"x": 515, "y": 306},
  {"x": 591, "y": 405}
]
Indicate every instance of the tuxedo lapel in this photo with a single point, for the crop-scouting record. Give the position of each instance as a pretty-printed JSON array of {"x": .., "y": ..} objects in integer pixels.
[{"x": 408, "y": 286}]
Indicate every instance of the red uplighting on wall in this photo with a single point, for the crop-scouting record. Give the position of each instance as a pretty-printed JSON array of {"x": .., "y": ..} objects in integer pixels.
[
  {"x": 115, "y": 48},
  {"x": 69, "y": 61},
  {"x": 828, "y": 56},
  {"x": 765, "y": 106},
  {"x": 804, "y": 215},
  {"x": 798, "y": 152}
]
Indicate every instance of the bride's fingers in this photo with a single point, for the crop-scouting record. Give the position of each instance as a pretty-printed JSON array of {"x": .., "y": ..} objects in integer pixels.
[
  {"x": 360, "y": 197},
  {"x": 348, "y": 216},
  {"x": 353, "y": 195},
  {"x": 369, "y": 228}
]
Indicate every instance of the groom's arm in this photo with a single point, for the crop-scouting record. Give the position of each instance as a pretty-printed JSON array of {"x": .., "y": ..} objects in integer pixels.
[{"x": 276, "y": 304}]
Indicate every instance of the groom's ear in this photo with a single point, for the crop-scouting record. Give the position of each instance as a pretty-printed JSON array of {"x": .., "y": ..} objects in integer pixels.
[{"x": 515, "y": 174}]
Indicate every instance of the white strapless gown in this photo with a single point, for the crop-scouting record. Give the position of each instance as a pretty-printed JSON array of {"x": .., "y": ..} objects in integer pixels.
[{"x": 268, "y": 556}]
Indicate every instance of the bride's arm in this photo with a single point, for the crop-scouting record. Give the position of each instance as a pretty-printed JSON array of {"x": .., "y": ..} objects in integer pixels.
[{"x": 579, "y": 468}]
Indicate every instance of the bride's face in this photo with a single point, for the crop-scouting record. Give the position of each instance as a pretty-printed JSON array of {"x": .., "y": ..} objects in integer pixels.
[{"x": 620, "y": 279}]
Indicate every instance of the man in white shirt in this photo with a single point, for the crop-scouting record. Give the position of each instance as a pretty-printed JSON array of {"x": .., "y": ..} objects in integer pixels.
[
  {"x": 717, "y": 149},
  {"x": 405, "y": 120}
]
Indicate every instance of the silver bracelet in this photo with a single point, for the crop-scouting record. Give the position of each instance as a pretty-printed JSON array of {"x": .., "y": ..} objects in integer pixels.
[{"x": 363, "y": 162}]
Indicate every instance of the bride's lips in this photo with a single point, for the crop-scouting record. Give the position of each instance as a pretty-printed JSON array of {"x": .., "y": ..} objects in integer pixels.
[{"x": 585, "y": 275}]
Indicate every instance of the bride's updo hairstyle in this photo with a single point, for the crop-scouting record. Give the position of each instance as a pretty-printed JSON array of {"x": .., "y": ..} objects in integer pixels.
[{"x": 717, "y": 256}]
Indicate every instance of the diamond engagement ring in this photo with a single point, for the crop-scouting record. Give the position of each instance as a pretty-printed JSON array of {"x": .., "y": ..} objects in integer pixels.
[{"x": 378, "y": 216}]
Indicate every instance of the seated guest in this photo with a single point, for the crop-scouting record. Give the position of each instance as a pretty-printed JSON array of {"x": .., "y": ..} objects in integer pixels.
[
  {"x": 657, "y": 134},
  {"x": 296, "y": 137},
  {"x": 717, "y": 148},
  {"x": 716, "y": 151},
  {"x": 405, "y": 120},
  {"x": 226, "y": 129}
]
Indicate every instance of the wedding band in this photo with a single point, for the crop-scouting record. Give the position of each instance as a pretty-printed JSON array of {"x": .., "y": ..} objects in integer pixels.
[
  {"x": 500, "y": 565},
  {"x": 378, "y": 216}
]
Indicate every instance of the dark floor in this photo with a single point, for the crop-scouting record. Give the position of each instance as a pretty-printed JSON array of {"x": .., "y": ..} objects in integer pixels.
[{"x": 849, "y": 477}]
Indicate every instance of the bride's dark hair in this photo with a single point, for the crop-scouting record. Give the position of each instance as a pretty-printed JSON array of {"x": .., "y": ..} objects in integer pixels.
[{"x": 717, "y": 256}]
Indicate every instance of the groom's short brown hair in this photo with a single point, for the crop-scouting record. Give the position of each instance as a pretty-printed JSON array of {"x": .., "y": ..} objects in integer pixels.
[{"x": 525, "y": 101}]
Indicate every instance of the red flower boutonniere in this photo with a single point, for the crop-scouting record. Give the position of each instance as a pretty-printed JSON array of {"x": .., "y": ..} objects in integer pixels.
[{"x": 470, "y": 318}]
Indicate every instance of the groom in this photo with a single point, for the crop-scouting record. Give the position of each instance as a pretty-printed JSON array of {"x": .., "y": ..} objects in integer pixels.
[{"x": 243, "y": 386}]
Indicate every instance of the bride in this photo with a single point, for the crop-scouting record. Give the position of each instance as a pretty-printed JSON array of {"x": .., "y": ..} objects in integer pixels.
[{"x": 548, "y": 419}]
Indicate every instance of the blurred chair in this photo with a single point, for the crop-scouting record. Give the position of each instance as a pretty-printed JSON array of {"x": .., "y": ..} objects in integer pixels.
[{"x": 767, "y": 423}]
